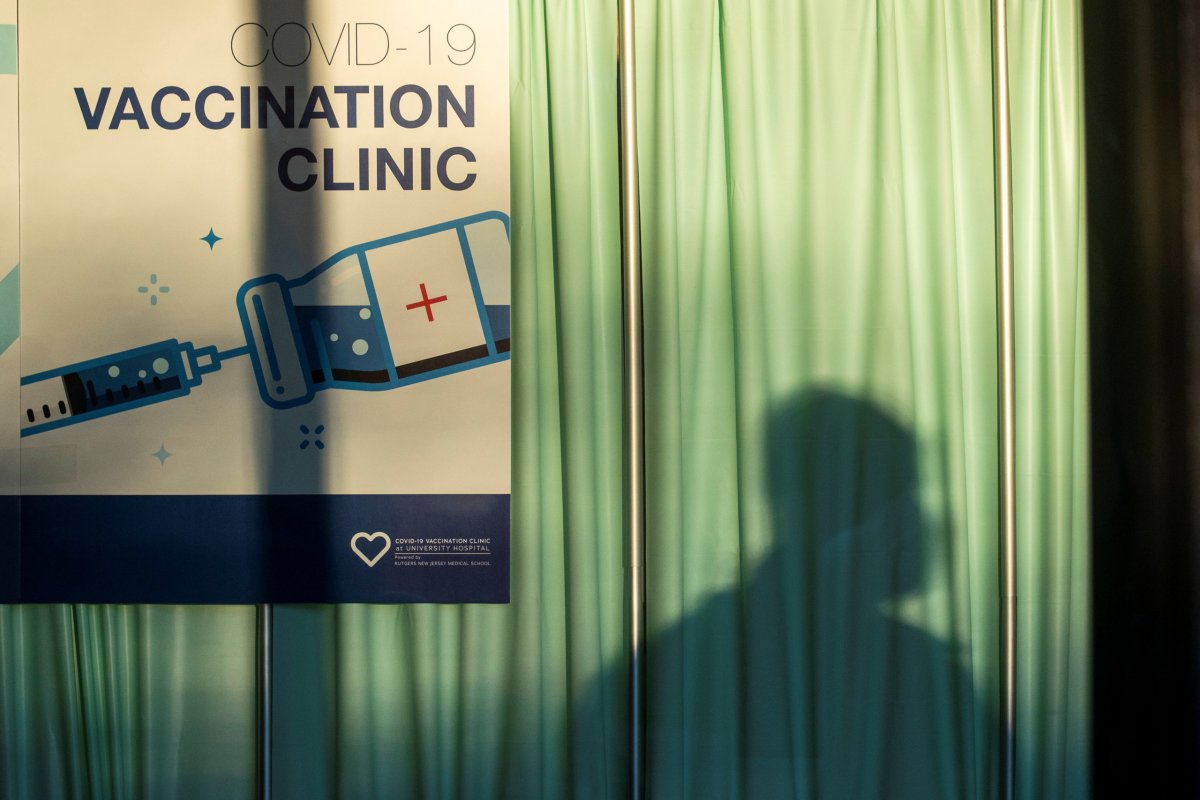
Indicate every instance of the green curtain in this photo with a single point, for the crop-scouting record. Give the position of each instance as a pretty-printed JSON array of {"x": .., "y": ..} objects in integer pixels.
[
  {"x": 820, "y": 318},
  {"x": 126, "y": 702},
  {"x": 818, "y": 218}
]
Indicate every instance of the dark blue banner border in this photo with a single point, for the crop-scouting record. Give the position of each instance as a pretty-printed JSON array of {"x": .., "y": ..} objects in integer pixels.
[
  {"x": 10, "y": 548},
  {"x": 262, "y": 549}
]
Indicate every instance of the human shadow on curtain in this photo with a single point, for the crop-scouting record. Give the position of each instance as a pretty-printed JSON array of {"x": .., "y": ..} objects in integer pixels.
[{"x": 838, "y": 695}]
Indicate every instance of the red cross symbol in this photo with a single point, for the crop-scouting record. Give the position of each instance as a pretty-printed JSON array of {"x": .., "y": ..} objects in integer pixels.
[{"x": 426, "y": 302}]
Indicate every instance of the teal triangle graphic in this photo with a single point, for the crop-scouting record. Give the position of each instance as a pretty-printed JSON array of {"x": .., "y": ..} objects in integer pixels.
[
  {"x": 8, "y": 49},
  {"x": 10, "y": 308}
]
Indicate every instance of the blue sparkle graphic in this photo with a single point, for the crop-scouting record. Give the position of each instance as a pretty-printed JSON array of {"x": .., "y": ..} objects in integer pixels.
[
  {"x": 314, "y": 433},
  {"x": 211, "y": 239},
  {"x": 154, "y": 290},
  {"x": 162, "y": 455}
]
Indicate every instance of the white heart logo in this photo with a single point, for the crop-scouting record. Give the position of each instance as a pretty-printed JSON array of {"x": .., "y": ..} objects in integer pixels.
[{"x": 382, "y": 538}]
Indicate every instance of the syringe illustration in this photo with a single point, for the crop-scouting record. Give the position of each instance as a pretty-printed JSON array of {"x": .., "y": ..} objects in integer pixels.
[{"x": 388, "y": 313}]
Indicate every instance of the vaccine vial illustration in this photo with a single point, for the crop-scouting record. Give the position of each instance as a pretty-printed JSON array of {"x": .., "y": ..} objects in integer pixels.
[
  {"x": 376, "y": 316},
  {"x": 383, "y": 314}
]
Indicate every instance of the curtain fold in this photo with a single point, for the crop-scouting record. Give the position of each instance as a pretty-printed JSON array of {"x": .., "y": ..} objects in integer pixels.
[
  {"x": 126, "y": 701},
  {"x": 818, "y": 217},
  {"x": 1050, "y": 235}
]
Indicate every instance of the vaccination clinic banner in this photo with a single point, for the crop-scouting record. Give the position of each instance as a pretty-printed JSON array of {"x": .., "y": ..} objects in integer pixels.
[{"x": 263, "y": 349}]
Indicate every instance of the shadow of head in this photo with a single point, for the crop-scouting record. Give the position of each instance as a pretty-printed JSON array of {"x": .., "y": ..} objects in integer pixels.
[{"x": 842, "y": 484}]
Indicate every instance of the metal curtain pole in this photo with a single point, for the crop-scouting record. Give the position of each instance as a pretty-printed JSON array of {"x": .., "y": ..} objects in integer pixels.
[
  {"x": 631, "y": 255},
  {"x": 264, "y": 626},
  {"x": 1007, "y": 399}
]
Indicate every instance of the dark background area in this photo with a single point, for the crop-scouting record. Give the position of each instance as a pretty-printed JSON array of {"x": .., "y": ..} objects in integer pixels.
[{"x": 1143, "y": 202}]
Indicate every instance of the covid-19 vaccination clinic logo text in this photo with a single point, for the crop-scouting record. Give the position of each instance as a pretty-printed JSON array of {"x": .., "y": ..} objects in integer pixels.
[{"x": 293, "y": 45}]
